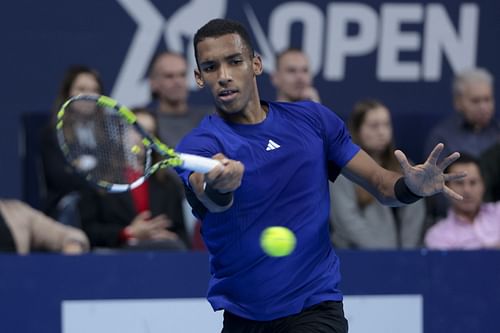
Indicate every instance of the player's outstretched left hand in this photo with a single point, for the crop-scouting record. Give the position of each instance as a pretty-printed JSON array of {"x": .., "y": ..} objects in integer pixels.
[{"x": 429, "y": 178}]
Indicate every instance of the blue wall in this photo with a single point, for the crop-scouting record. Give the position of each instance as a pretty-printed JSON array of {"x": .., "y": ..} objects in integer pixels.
[
  {"x": 388, "y": 53},
  {"x": 460, "y": 289}
]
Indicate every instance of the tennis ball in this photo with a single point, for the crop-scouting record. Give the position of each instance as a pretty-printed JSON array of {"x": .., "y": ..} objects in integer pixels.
[
  {"x": 135, "y": 149},
  {"x": 277, "y": 241}
]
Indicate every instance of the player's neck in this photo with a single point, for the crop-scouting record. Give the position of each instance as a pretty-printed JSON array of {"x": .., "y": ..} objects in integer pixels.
[{"x": 253, "y": 113}]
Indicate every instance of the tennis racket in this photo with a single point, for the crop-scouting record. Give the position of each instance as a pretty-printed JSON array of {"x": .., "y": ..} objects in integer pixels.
[{"x": 102, "y": 141}]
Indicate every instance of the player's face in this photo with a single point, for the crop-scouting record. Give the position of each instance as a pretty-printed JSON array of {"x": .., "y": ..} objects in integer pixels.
[
  {"x": 477, "y": 103},
  {"x": 376, "y": 131},
  {"x": 84, "y": 83},
  {"x": 471, "y": 188},
  {"x": 292, "y": 76},
  {"x": 169, "y": 79},
  {"x": 229, "y": 70}
]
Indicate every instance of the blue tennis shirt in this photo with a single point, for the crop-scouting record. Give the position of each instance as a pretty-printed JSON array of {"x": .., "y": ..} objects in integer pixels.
[{"x": 285, "y": 183}]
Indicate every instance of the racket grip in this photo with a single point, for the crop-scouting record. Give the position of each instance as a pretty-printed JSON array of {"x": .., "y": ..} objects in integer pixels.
[{"x": 198, "y": 163}]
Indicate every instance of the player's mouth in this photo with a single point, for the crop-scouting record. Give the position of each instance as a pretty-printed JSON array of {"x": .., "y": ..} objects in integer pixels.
[{"x": 227, "y": 95}]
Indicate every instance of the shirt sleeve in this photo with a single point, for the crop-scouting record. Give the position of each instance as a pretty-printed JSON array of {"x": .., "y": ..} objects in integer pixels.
[
  {"x": 198, "y": 142},
  {"x": 339, "y": 145}
]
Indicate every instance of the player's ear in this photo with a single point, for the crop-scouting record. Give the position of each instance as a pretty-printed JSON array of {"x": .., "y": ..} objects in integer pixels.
[
  {"x": 257, "y": 65},
  {"x": 199, "y": 80}
]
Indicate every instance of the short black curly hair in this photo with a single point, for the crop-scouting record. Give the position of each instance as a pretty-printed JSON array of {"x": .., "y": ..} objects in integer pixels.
[{"x": 220, "y": 27}]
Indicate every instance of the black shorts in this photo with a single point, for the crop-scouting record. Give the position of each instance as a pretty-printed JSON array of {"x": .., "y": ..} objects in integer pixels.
[{"x": 326, "y": 317}]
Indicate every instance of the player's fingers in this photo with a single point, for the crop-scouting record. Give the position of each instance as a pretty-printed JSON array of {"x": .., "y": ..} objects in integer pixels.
[
  {"x": 196, "y": 180},
  {"x": 448, "y": 160},
  {"x": 234, "y": 175},
  {"x": 236, "y": 169},
  {"x": 403, "y": 161},
  {"x": 221, "y": 157},
  {"x": 434, "y": 155},
  {"x": 454, "y": 176},
  {"x": 214, "y": 174},
  {"x": 452, "y": 194},
  {"x": 231, "y": 170},
  {"x": 227, "y": 183}
]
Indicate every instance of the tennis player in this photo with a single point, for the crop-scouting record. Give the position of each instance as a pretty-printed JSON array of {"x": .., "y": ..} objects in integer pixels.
[{"x": 277, "y": 159}]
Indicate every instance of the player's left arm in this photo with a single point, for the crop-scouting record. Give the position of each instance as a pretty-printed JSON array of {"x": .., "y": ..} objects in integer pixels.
[{"x": 394, "y": 189}]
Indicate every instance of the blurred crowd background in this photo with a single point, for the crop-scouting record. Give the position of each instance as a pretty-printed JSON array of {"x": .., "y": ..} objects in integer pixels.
[
  {"x": 403, "y": 53},
  {"x": 415, "y": 61}
]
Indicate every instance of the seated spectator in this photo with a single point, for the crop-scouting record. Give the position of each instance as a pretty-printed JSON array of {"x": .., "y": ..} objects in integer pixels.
[
  {"x": 473, "y": 128},
  {"x": 24, "y": 230},
  {"x": 359, "y": 221},
  {"x": 149, "y": 216},
  {"x": 175, "y": 116},
  {"x": 170, "y": 91},
  {"x": 62, "y": 184},
  {"x": 292, "y": 77},
  {"x": 470, "y": 223},
  {"x": 490, "y": 169}
]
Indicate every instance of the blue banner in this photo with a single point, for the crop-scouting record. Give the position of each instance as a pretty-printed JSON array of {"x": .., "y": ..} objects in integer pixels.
[{"x": 458, "y": 290}]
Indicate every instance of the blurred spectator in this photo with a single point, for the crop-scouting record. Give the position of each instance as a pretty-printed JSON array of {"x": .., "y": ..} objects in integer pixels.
[
  {"x": 470, "y": 223},
  {"x": 490, "y": 169},
  {"x": 149, "y": 216},
  {"x": 62, "y": 184},
  {"x": 170, "y": 91},
  {"x": 24, "y": 230},
  {"x": 473, "y": 128},
  {"x": 359, "y": 221},
  {"x": 292, "y": 77}
]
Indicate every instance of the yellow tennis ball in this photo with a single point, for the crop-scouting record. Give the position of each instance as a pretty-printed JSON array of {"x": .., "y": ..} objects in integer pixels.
[
  {"x": 277, "y": 241},
  {"x": 135, "y": 149}
]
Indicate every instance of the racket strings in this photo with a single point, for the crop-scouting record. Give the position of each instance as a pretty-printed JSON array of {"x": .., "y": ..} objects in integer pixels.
[{"x": 101, "y": 145}]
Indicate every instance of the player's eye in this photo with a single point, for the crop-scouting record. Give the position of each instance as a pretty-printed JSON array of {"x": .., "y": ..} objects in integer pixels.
[{"x": 208, "y": 67}]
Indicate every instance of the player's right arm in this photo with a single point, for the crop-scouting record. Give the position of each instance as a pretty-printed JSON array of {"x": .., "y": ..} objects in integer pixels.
[{"x": 214, "y": 190}]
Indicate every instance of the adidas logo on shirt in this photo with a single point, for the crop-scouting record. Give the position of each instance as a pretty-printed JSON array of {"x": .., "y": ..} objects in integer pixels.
[{"x": 271, "y": 145}]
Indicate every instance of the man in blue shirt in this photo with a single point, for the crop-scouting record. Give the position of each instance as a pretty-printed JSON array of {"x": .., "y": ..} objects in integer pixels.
[{"x": 276, "y": 160}]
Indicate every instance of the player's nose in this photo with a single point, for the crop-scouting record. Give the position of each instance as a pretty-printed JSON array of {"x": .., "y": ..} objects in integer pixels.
[{"x": 224, "y": 75}]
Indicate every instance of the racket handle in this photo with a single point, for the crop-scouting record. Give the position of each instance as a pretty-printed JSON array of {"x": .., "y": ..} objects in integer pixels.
[{"x": 198, "y": 163}]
